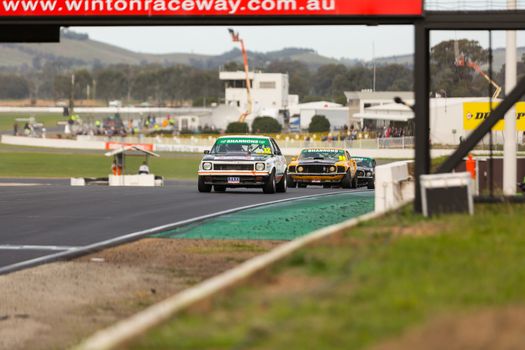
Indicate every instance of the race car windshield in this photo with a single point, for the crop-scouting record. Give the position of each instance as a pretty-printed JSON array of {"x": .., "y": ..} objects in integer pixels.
[
  {"x": 242, "y": 145},
  {"x": 367, "y": 163},
  {"x": 313, "y": 154}
]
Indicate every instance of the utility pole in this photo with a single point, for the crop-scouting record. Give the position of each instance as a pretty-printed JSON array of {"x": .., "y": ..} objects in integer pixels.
[
  {"x": 374, "y": 64},
  {"x": 72, "y": 95},
  {"x": 510, "y": 144}
]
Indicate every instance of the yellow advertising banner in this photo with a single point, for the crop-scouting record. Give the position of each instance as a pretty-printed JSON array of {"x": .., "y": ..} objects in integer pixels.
[{"x": 476, "y": 112}]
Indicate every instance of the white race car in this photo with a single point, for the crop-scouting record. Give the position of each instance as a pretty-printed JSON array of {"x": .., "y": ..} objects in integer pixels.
[{"x": 243, "y": 161}]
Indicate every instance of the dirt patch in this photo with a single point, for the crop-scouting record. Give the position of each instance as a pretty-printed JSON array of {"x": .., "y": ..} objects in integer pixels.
[
  {"x": 56, "y": 305},
  {"x": 495, "y": 329},
  {"x": 421, "y": 229}
]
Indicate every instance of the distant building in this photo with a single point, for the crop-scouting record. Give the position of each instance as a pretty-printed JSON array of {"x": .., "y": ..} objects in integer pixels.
[
  {"x": 268, "y": 90},
  {"x": 303, "y": 113},
  {"x": 358, "y": 101}
]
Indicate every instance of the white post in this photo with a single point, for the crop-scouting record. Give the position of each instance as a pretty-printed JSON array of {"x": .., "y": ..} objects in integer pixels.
[{"x": 510, "y": 137}]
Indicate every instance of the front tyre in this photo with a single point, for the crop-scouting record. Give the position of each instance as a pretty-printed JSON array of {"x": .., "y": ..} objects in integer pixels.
[
  {"x": 270, "y": 186},
  {"x": 203, "y": 188},
  {"x": 347, "y": 180},
  {"x": 282, "y": 186},
  {"x": 371, "y": 185},
  {"x": 291, "y": 182},
  {"x": 354, "y": 182}
]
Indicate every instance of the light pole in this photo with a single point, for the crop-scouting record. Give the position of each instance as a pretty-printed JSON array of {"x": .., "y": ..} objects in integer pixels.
[{"x": 510, "y": 143}]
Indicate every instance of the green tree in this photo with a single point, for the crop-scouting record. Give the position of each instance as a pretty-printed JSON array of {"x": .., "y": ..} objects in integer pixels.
[
  {"x": 13, "y": 87},
  {"x": 237, "y": 128},
  {"x": 319, "y": 123},
  {"x": 323, "y": 79},
  {"x": 233, "y": 67},
  {"x": 83, "y": 79},
  {"x": 112, "y": 84},
  {"x": 454, "y": 80},
  {"x": 299, "y": 75},
  {"x": 266, "y": 125}
]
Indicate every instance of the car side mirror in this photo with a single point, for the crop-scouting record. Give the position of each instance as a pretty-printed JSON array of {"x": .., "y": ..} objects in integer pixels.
[{"x": 207, "y": 152}]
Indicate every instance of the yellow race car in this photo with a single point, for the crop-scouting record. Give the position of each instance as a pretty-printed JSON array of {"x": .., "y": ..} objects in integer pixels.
[{"x": 325, "y": 167}]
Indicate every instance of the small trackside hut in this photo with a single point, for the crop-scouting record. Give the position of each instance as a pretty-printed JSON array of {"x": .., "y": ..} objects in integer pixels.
[{"x": 119, "y": 176}]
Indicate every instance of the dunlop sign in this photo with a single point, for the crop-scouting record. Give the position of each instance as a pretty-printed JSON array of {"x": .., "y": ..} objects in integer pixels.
[{"x": 476, "y": 112}]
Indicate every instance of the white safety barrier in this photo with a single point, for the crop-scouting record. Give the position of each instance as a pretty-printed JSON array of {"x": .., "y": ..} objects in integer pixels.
[
  {"x": 78, "y": 181},
  {"x": 134, "y": 180},
  {"x": 192, "y": 146},
  {"x": 52, "y": 143},
  {"x": 393, "y": 185}
]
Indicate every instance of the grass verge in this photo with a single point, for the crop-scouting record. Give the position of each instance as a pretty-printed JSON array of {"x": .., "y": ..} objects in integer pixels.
[
  {"x": 7, "y": 120},
  {"x": 365, "y": 286},
  {"x": 63, "y": 164}
]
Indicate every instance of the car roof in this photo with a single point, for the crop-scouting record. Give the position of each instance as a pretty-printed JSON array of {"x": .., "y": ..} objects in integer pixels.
[
  {"x": 245, "y": 137},
  {"x": 324, "y": 148}
]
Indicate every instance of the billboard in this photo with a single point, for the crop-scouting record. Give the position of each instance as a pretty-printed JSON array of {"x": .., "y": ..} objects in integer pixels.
[
  {"x": 474, "y": 113},
  {"x": 159, "y": 8}
]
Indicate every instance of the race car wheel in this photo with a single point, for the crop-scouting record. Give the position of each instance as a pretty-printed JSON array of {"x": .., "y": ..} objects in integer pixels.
[
  {"x": 354, "y": 182},
  {"x": 203, "y": 187},
  {"x": 371, "y": 185},
  {"x": 347, "y": 181},
  {"x": 291, "y": 183},
  {"x": 219, "y": 188},
  {"x": 302, "y": 185},
  {"x": 270, "y": 187},
  {"x": 282, "y": 186}
]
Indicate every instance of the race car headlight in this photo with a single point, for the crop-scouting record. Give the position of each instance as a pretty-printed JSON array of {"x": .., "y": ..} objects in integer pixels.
[
  {"x": 300, "y": 169},
  {"x": 369, "y": 174},
  {"x": 332, "y": 169},
  {"x": 207, "y": 166},
  {"x": 260, "y": 166}
]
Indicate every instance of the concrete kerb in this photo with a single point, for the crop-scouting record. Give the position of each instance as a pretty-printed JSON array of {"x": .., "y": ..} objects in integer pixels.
[{"x": 128, "y": 329}]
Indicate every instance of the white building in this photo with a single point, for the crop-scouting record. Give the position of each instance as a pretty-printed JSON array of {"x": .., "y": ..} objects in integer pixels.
[
  {"x": 269, "y": 91},
  {"x": 337, "y": 114},
  {"x": 358, "y": 101}
]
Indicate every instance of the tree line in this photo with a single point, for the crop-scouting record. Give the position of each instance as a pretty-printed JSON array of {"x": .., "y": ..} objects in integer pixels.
[{"x": 177, "y": 84}]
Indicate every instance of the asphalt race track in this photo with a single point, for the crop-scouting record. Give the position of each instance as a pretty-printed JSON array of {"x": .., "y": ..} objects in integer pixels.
[{"x": 40, "y": 220}]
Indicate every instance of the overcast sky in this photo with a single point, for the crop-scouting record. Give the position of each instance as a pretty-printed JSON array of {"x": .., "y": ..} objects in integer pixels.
[{"x": 331, "y": 41}]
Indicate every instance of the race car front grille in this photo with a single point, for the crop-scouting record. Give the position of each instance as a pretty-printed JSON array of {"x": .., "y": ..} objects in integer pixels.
[
  {"x": 316, "y": 169},
  {"x": 341, "y": 169},
  {"x": 292, "y": 169},
  {"x": 234, "y": 167}
]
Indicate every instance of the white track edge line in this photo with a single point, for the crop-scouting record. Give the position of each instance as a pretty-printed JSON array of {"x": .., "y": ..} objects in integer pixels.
[
  {"x": 128, "y": 329},
  {"x": 136, "y": 235},
  {"x": 35, "y": 247}
]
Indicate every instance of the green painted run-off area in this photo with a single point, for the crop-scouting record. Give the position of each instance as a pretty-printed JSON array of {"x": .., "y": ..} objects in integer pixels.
[{"x": 283, "y": 221}]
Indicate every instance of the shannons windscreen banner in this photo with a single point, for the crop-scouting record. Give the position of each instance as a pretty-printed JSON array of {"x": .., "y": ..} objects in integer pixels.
[{"x": 153, "y": 8}]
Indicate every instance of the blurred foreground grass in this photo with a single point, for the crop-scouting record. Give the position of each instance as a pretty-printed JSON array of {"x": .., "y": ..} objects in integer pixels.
[{"x": 368, "y": 285}]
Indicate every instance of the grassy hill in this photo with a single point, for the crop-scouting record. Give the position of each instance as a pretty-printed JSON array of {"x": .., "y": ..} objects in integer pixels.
[{"x": 78, "y": 50}]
